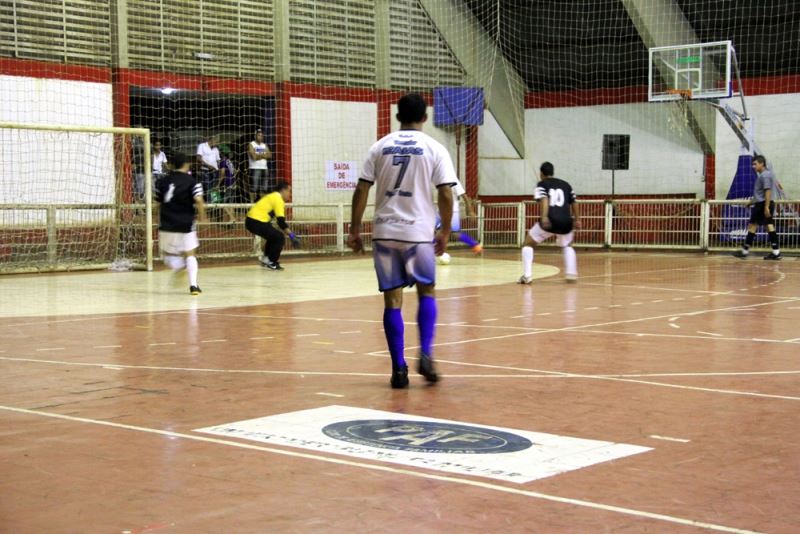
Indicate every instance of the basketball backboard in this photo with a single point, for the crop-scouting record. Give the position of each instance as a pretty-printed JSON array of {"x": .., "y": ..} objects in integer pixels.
[{"x": 699, "y": 71}]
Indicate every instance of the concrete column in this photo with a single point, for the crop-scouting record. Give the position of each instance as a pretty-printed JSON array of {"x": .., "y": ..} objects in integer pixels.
[
  {"x": 485, "y": 65},
  {"x": 280, "y": 23}
]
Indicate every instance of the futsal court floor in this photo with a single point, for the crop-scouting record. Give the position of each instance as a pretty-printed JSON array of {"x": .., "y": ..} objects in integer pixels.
[{"x": 658, "y": 394}]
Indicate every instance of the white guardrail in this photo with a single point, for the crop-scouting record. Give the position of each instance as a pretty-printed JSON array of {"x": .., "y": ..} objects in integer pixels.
[{"x": 52, "y": 238}]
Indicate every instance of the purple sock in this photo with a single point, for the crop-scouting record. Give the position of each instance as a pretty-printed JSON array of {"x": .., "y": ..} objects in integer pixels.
[
  {"x": 466, "y": 238},
  {"x": 393, "y": 327},
  {"x": 426, "y": 320}
]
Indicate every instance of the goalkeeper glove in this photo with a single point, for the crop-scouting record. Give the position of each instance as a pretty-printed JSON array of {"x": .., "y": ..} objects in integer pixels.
[{"x": 294, "y": 239}]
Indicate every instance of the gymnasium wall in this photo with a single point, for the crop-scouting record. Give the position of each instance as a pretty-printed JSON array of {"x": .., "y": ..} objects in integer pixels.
[
  {"x": 662, "y": 160},
  {"x": 32, "y": 159}
]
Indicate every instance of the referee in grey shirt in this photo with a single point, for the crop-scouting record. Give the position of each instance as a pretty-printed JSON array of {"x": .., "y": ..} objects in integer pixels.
[{"x": 765, "y": 190}]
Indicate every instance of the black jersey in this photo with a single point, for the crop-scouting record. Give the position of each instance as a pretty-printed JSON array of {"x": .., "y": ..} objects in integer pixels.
[
  {"x": 560, "y": 195},
  {"x": 176, "y": 193}
]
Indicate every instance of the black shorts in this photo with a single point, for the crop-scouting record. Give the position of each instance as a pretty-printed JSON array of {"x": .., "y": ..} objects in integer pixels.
[
  {"x": 757, "y": 215},
  {"x": 560, "y": 226}
]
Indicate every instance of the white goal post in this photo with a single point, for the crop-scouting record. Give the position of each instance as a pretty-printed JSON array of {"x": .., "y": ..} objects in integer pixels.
[{"x": 75, "y": 197}]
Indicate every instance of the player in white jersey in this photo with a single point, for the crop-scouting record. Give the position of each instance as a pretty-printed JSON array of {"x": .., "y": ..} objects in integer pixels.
[{"x": 404, "y": 166}]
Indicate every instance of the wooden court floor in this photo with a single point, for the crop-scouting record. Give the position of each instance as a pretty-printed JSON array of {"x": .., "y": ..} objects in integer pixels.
[{"x": 661, "y": 394}]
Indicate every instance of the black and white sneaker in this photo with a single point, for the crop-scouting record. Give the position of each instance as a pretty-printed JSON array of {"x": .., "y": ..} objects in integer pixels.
[
  {"x": 272, "y": 266},
  {"x": 425, "y": 368},
  {"x": 774, "y": 257},
  {"x": 194, "y": 290}
]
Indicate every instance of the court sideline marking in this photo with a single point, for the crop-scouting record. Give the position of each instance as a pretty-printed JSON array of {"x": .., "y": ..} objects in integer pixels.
[{"x": 393, "y": 470}]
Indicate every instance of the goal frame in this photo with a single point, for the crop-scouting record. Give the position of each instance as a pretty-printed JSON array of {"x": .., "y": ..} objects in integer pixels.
[{"x": 144, "y": 133}]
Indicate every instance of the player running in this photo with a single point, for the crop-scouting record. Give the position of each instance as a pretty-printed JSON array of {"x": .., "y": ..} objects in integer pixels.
[
  {"x": 559, "y": 217},
  {"x": 180, "y": 197}
]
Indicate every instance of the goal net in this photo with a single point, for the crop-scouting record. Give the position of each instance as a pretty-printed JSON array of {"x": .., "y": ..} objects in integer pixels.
[
  {"x": 66, "y": 200},
  {"x": 314, "y": 84}
]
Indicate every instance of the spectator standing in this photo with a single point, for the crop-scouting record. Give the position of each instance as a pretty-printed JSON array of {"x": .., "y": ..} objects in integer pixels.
[
  {"x": 208, "y": 162},
  {"x": 257, "y": 155}
]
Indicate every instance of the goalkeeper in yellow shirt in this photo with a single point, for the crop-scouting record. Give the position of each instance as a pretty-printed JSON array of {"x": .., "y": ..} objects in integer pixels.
[{"x": 269, "y": 211}]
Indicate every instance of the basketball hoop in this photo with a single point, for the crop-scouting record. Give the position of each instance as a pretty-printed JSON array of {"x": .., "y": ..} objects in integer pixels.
[{"x": 679, "y": 115}]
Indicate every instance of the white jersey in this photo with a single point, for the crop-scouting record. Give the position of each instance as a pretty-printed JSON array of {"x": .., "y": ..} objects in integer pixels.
[
  {"x": 258, "y": 148},
  {"x": 458, "y": 192},
  {"x": 404, "y": 166}
]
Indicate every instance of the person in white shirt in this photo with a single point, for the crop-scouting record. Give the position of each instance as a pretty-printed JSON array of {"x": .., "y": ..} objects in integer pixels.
[
  {"x": 404, "y": 166},
  {"x": 208, "y": 161},
  {"x": 159, "y": 161},
  {"x": 257, "y": 155}
]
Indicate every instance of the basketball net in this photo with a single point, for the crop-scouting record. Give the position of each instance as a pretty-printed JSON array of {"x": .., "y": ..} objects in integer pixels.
[{"x": 678, "y": 119}]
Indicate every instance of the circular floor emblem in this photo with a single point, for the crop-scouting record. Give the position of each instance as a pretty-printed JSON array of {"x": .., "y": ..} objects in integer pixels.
[{"x": 425, "y": 436}]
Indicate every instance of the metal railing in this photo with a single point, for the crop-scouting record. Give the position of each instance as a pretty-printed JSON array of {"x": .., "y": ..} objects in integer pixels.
[{"x": 59, "y": 237}]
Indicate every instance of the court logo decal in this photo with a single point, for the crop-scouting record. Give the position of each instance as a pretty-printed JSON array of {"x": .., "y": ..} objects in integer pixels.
[
  {"x": 424, "y": 442},
  {"x": 427, "y": 437}
]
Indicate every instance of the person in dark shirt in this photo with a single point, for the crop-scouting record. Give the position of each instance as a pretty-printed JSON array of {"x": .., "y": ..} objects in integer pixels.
[
  {"x": 559, "y": 217},
  {"x": 181, "y": 200},
  {"x": 765, "y": 191}
]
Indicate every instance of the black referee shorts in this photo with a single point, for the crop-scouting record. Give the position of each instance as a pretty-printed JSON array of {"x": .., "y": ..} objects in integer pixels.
[{"x": 757, "y": 215}]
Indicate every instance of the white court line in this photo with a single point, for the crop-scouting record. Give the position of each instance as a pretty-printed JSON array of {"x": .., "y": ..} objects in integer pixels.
[
  {"x": 667, "y": 438},
  {"x": 105, "y": 347},
  {"x": 307, "y": 335},
  {"x": 393, "y": 470},
  {"x": 262, "y": 337},
  {"x": 350, "y": 332},
  {"x": 686, "y": 336},
  {"x": 328, "y": 394},
  {"x": 793, "y": 340},
  {"x": 673, "y": 325},
  {"x": 49, "y": 349},
  {"x": 458, "y": 298},
  {"x": 344, "y": 351},
  {"x": 541, "y": 374},
  {"x": 674, "y": 318},
  {"x": 165, "y": 343},
  {"x": 709, "y": 333},
  {"x": 214, "y": 341}
]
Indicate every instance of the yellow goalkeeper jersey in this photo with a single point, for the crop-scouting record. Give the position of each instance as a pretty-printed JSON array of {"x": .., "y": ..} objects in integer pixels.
[{"x": 271, "y": 205}]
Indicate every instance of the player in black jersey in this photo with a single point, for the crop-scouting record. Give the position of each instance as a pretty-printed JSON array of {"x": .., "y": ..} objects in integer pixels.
[
  {"x": 559, "y": 217},
  {"x": 180, "y": 197}
]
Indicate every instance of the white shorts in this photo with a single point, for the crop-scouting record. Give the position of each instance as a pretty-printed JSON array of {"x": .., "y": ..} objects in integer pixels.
[
  {"x": 539, "y": 234},
  {"x": 399, "y": 264},
  {"x": 176, "y": 243}
]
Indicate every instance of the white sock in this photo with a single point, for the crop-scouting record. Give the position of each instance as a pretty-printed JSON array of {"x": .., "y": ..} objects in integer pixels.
[
  {"x": 192, "y": 268},
  {"x": 570, "y": 261},
  {"x": 527, "y": 261},
  {"x": 175, "y": 263}
]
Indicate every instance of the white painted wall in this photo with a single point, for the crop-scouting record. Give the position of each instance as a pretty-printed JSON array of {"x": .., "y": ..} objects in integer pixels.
[
  {"x": 662, "y": 161},
  {"x": 46, "y": 167},
  {"x": 327, "y": 130},
  {"x": 777, "y": 133}
]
